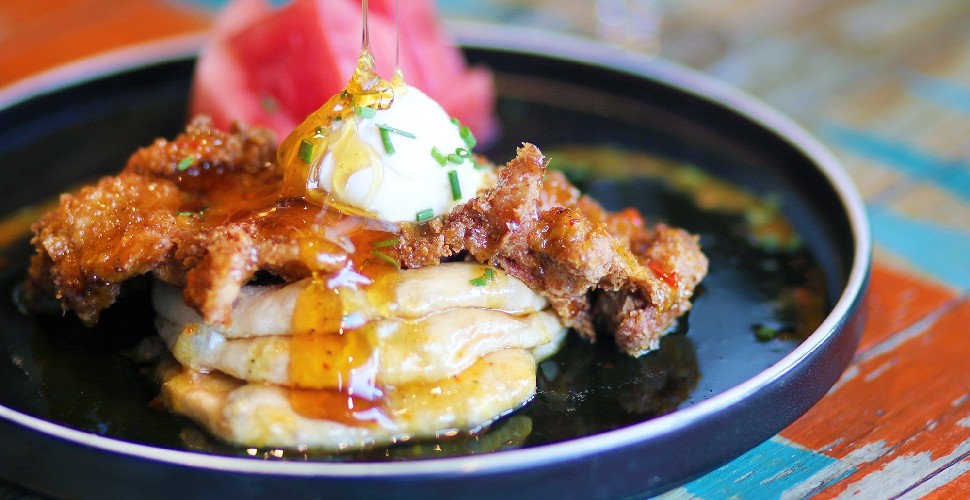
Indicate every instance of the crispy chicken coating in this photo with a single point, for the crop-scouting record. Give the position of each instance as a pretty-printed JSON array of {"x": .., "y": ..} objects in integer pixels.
[
  {"x": 587, "y": 262},
  {"x": 136, "y": 222},
  {"x": 202, "y": 212}
]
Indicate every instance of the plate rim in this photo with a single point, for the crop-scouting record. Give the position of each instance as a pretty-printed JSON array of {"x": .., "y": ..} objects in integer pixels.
[{"x": 521, "y": 40}]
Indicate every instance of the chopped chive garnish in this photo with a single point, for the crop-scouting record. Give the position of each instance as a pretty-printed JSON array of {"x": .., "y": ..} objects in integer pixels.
[
  {"x": 424, "y": 215},
  {"x": 483, "y": 280},
  {"x": 454, "y": 158},
  {"x": 387, "y": 243},
  {"x": 455, "y": 186},
  {"x": 438, "y": 156},
  {"x": 185, "y": 163},
  {"x": 186, "y": 214},
  {"x": 365, "y": 111},
  {"x": 306, "y": 151},
  {"x": 455, "y": 121},
  {"x": 467, "y": 136},
  {"x": 386, "y": 258},
  {"x": 764, "y": 333},
  {"x": 386, "y": 139},
  {"x": 462, "y": 152},
  {"x": 397, "y": 131}
]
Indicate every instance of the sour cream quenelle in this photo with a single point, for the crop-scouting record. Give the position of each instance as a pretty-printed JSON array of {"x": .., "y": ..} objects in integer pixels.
[{"x": 381, "y": 149}]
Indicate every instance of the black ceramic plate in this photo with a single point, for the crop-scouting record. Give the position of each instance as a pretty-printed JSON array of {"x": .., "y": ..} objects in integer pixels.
[{"x": 74, "y": 413}]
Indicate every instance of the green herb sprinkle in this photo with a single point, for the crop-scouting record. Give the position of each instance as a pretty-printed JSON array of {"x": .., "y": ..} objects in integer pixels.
[
  {"x": 386, "y": 258},
  {"x": 455, "y": 185},
  {"x": 387, "y": 243},
  {"x": 426, "y": 214},
  {"x": 438, "y": 156},
  {"x": 306, "y": 151},
  {"x": 467, "y": 136},
  {"x": 397, "y": 131},
  {"x": 386, "y": 139},
  {"x": 365, "y": 112},
  {"x": 185, "y": 163},
  {"x": 485, "y": 279}
]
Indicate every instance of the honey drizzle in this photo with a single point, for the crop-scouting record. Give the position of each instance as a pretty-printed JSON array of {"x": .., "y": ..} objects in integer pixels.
[
  {"x": 333, "y": 365},
  {"x": 333, "y": 368},
  {"x": 333, "y": 361},
  {"x": 365, "y": 89}
]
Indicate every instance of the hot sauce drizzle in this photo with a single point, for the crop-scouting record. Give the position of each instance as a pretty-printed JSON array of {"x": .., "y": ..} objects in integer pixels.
[{"x": 669, "y": 277}]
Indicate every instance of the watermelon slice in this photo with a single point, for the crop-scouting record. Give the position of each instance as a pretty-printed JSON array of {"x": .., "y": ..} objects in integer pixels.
[{"x": 273, "y": 66}]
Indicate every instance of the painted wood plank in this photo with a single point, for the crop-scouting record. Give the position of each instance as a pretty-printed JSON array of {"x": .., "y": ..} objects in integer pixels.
[
  {"x": 767, "y": 471},
  {"x": 953, "y": 482},
  {"x": 903, "y": 299},
  {"x": 901, "y": 154},
  {"x": 936, "y": 202},
  {"x": 50, "y": 35},
  {"x": 937, "y": 251},
  {"x": 900, "y": 414},
  {"x": 786, "y": 469},
  {"x": 896, "y": 300}
]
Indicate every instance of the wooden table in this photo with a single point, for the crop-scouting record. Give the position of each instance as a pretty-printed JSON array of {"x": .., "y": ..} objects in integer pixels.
[{"x": 884, "y": 83}]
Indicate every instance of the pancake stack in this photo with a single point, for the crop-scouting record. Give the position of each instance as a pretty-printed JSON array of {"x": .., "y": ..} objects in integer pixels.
[{"x": 442, "y": 350}]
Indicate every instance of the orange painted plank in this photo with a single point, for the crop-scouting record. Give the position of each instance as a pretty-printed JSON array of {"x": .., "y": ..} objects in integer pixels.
[
  {"x": 46, "y": 34},
  {"x": 900, "y": 412},
  {"x": 20, "y": 13},
  {"x": 932, "y": 450},
  {"x": 896, "y": 300}
]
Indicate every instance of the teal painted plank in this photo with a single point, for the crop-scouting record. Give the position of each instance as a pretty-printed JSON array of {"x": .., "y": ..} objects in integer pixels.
[
  {"x": 767, "y": 471},
  {"x": 945, "y": 93},
  {"x": 903, "y": 157},
  {"x": 941, "y": 252}
]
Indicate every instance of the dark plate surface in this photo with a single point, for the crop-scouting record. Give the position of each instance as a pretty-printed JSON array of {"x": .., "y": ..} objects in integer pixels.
[{"x": 74, "y": 408}]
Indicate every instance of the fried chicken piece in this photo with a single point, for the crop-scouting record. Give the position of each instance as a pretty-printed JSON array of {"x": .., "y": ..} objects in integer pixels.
[
  {"x": 569, "y": 253},
  {"x": 242, "y": 149},
  {"x": 202, "y": 212},
  {"x": 121, "y": 227},
  {"x": 221, "y": 259},
  {"x": 133, "y": 223}
]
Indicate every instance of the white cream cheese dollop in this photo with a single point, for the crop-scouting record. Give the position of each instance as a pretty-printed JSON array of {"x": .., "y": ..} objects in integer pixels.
[{"x": 360, "y": 171}]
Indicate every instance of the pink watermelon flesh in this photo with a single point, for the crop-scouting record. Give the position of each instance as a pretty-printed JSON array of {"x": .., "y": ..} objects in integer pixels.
[{"x": 274, "y": 66}]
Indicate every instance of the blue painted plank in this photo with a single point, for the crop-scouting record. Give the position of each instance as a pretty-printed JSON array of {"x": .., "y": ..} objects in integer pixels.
[
  {"x": 903, "y": 157},
  {"x": 767, "y": 471},
  {"x": 947, "y": 94},
  {"x": 941, "y": 252}
]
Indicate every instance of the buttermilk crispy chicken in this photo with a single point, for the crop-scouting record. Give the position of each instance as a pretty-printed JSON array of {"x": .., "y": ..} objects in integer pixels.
[{"x": 203, "y": 213}]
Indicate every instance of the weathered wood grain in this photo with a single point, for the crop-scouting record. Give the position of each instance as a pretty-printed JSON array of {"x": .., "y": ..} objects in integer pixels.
[
  {"x": 905, "y": 403},
  {"x": 886, "y": 84},
  {"x": 896, "y": 300}
]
